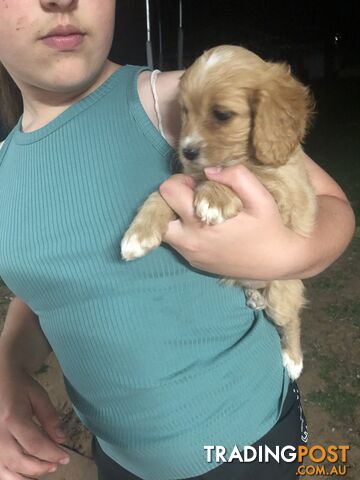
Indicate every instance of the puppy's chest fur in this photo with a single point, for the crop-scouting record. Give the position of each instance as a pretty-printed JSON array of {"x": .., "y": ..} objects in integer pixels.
[{"x": 293, "y": 192}]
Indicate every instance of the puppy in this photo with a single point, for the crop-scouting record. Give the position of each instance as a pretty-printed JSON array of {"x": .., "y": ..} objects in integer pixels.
[{"x": 238, "y": 109}]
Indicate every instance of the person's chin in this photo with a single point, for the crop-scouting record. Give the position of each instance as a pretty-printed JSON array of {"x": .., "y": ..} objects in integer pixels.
[{"x": 72, "y": 77}]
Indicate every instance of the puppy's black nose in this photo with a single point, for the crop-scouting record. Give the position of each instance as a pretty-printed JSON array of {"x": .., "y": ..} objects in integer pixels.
[{"x": 190, "y": 152}]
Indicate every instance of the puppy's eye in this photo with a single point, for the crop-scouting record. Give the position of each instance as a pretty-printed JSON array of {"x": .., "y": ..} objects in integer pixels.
[{"x": 221, "y": 115}]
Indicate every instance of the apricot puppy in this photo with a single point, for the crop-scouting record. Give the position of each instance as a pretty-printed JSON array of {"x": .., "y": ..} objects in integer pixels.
[{"x": 239, "y": 109}]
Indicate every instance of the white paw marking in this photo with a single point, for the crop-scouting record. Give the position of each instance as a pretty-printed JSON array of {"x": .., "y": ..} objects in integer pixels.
[
  {"x": 208, "y": 214},
  {"x": 132, "y": 248},
  {"x": 294, "y": 369}
]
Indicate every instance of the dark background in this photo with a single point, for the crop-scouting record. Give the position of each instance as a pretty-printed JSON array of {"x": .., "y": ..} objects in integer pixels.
[{"x": 316, "y": 39}]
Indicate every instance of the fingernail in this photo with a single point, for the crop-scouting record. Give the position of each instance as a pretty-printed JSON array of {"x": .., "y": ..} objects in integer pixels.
[
  {"x": 213, "y": 170},
  {"x": 52, "y": 470},
  {"x": 64, "y": 461},
  {"x": 60, "y": 433}
]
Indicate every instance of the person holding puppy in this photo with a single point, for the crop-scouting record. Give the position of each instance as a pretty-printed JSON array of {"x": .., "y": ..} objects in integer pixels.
[{"x": 159, "y": 359}]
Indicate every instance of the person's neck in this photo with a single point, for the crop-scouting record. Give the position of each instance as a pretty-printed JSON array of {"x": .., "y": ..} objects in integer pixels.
[{"x": 40, "y": 106}]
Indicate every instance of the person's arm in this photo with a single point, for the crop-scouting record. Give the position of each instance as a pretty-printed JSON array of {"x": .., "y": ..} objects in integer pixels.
[
  {"x": 255, "y": 244},
  {"x": 26, "y": 448},
  {"x": 22, "y": 342},
  {"x": 335, "y": 223}
]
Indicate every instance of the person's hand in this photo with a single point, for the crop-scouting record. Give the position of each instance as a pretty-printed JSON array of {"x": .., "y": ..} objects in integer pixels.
[
  {"x": 25, "y": 449},
  {"x": 254, "y": 244}
]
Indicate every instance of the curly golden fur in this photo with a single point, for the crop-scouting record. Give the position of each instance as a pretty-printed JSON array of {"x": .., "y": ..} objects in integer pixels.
[{"x": 239, "y": 109}]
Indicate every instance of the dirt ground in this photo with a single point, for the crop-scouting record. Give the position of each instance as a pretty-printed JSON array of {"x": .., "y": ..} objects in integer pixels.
[{"x": 330, "y": 383}]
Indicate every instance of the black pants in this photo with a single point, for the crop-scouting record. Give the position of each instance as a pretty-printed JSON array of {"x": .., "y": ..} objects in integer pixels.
[{"x": 290, "y": 429}]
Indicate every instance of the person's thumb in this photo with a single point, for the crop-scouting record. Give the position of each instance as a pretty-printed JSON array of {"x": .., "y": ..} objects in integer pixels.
[
  {"x": 245, "y": 184},
  {"x": 178, "y": 193},
  {"x": 46, "y": 413}
]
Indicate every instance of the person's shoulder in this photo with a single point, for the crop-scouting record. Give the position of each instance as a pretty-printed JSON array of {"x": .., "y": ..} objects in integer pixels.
[
  {"x": 167, "y": 85},
  {"x": 167, "y": 90}
]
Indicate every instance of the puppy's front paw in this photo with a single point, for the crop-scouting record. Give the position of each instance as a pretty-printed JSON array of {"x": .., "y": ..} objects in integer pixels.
[
  {"x": 208, "y": 214},
  {"x": 294, "y": 368},
  {"x": 136, "y": 243},
  {"x": 215, "y": 203}
]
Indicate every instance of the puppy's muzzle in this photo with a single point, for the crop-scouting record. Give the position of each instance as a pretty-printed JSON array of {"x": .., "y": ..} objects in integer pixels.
[{"x": 191, "y": 153}]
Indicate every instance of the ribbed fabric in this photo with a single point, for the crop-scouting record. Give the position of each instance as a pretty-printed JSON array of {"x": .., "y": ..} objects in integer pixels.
[{"x": 159, "y": 359}]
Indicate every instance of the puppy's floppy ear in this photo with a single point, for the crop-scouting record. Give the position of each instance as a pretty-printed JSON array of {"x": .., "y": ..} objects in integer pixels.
[{"x": 282, "y": 109}]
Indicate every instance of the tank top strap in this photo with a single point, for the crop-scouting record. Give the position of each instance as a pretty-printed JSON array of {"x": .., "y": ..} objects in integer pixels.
[{"x": 142, "y": 119}]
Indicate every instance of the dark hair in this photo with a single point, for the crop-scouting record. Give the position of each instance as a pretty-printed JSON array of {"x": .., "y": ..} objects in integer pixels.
[{"x": 11, "y": 104}]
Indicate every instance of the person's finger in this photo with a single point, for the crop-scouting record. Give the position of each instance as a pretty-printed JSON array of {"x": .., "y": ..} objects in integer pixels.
[
  {"x": 47, "y": 415},
  {"x": 16, "y": 461},
  {"x": 5, "y": 474},
  {"x": 178, "y": 193},
  {"x": 174, "y": 233},
  {"x": 34, "y": 441},
  {"x": 254, "y": 196}
]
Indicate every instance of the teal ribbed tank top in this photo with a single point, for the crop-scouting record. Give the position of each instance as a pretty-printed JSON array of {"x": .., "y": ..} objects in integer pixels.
[{"x": 159, "y": 359}]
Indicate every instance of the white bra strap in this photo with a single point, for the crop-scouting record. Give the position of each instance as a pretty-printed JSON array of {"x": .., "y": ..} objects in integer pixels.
[{"x": 153, "y": 78}]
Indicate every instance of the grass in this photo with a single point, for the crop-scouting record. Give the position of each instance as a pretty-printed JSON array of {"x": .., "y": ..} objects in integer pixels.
[
  {"x": 325, "y": 284},
  {"x": 340, "y": 396},
  {"x": 336, "y": 401},
  {"x": 349, "y": 311}
]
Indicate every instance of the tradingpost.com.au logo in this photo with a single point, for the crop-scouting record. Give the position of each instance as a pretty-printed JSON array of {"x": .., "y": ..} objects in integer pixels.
[{"x": 335, "y": 455}]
